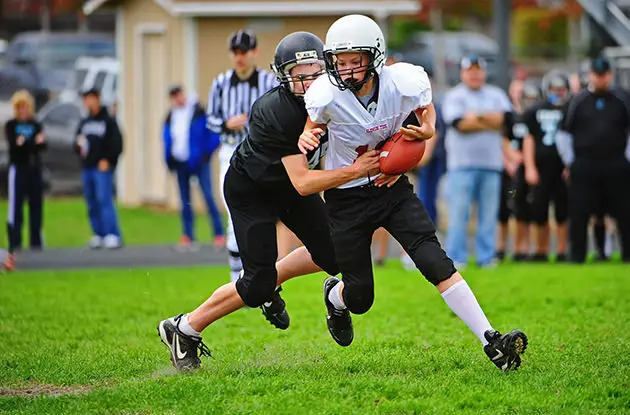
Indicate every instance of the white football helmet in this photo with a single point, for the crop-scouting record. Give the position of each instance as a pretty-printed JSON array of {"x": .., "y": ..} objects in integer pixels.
[{"x": 354, "y": 33}]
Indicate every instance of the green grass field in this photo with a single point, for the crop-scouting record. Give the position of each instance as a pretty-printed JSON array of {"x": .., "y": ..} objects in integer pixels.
[
  {"x": 66, "y": 225},
  {"x": 88, "y": 341}
]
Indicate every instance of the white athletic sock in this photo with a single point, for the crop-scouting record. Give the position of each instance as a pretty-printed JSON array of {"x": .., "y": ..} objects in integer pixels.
[
  {"x": 236, "y": 265},
  {"x": 234, "y": 275},
  {"x": 185, "y": 328},
  {"x": 462, "y": 301},
  {"x": 334, "y": 296}
]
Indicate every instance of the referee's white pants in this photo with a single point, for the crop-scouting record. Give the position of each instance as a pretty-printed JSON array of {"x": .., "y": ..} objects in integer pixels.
[{"x": 225, "y": 154}]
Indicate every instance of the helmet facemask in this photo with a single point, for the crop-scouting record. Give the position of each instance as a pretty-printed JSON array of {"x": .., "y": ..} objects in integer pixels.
[
  {"x": 283, "y": 73},
  {"x": 556, "y": 88},
  {"x": 369, "y": 59}
]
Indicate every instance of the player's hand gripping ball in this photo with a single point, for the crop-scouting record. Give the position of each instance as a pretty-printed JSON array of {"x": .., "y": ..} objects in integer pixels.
[{"x": 399, "y": 155}]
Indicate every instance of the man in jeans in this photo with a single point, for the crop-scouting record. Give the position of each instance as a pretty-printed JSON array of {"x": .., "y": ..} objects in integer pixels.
[
  {"x": 188, "y": 146},
  {"x": 474, "y": 113},
  {"x": 99, "y": 144}
]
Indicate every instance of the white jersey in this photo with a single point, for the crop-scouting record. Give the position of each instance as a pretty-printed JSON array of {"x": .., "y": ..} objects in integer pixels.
[{"x": 351, "y": 129}]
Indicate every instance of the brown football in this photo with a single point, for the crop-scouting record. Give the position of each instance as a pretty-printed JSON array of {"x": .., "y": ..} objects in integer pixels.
[{"x": 399, "y": 155}]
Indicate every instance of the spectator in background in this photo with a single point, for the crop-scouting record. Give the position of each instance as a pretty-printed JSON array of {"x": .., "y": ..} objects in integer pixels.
[
  {"x": 7, "y": 261},
  {"x": 515, "y": 190},
  {"x": 26, "y": 142},
  {"x": 602, "y": 227},
  {"x": 231, "y": 97},
  {"x": 474, "y": 113},
  {"x": 433, "y": 166},
  {"x": 598, "y": 121},
  {"x": 512, "y": 159},
  {"x": 188, "y": 146},
  {"x": 543, "y": 165},
  {"x": 99, "y": 144}
]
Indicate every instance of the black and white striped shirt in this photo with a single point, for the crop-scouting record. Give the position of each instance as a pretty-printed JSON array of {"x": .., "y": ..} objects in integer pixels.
[{"x": 230, "y": 96}]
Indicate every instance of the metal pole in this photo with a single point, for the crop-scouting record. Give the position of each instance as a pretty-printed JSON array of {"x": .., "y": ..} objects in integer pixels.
[
  {"x": 45, "y": 16},
  {"x": 502, "y": 33},
  {"x": 439, "y": 62}
]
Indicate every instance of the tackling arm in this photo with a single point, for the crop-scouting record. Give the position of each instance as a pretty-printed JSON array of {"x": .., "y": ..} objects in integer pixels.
[{"x": 308, "y": 181}]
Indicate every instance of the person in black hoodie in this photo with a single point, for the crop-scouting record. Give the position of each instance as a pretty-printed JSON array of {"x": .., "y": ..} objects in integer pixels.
[
  {"x": 26, "y": 141},
  {"x": 99, "y": 144}
]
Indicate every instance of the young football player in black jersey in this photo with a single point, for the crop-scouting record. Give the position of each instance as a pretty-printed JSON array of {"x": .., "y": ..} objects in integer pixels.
[
  {"x": 269, "y": 179},
  {"x": 515, "y": 193},
  {"x": 543, "y": 165}
]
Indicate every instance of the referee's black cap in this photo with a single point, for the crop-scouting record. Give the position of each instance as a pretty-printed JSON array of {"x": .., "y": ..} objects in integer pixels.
[{"x": 244, "y": 40}]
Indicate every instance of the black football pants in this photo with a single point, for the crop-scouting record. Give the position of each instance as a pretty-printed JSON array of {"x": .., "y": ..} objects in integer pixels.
[
  {"x": 255, "y": 210},
  {"x": 355, "y": 214}
]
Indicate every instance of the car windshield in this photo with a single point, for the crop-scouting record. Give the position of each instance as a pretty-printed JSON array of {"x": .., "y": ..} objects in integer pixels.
[
  {"x": 64, "y": 115},
  {"x": 80, "y": 78},
  {"x": 479, "y": 44},
  {"x": 63, "y": 54}
]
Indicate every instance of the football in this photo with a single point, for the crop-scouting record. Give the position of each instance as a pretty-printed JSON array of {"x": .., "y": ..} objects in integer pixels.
[{"x": 399, "y": 155}]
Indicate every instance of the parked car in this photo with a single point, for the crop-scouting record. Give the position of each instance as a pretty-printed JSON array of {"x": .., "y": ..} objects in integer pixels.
[
  {"x": 3, "y": 50},
  {"x": 43, "y": 63},
  {"x": 99, "y": 73},
  {"x": 420, "y": 50},
  {"x": 60, "y": 118}
]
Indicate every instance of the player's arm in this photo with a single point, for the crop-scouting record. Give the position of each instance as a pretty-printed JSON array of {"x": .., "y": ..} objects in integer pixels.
[
  {"x": 308, "y": 181},
  {"x": 469, "y": 123},
  {"x": 309, "y": 139},
  {"x": 529, "y": 148},
  {"x": 214, "y": 114},
  {"x": 529, "y": 160},
  {"x": 512, "y": 155},
  {"x": 492, "y": 121}
]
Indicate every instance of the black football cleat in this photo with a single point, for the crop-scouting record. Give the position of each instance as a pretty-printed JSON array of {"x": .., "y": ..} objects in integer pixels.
[
  {"x": 182, "y": 346},
  {"x": 339, "y": 321},
  {"x": 505, "y": 350},
  {"x": 275, "y": 311}
]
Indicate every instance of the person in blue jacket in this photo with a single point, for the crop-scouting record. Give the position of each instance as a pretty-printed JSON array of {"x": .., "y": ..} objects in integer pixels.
[
  {"x": 433, "y": 167},
  {"x": 188, "y": 146}
]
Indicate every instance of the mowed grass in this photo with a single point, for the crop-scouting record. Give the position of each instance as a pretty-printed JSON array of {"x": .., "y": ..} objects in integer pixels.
[
  {"x": 88, "y": 338},
  {"x": 66, "y": 225}
]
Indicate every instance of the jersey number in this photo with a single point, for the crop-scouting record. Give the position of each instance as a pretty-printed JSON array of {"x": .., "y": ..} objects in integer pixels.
[
  {"x": 364, "y": 148},
  {"x": 361, "y": 150},
  {"x": 550, "y": 129}
]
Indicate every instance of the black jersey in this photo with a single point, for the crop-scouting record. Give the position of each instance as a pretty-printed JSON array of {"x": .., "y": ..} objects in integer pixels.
[
  {"x": 276, "y": 121},
  {"x": 543, "y": 121},
  {"x": 29, "y": 152},
  {"x": 515, "y": 131},
  {"x": 599, "y": 123}
]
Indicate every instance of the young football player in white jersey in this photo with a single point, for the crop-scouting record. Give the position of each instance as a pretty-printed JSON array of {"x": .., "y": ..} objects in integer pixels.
[{"x": 362, "y": 103}]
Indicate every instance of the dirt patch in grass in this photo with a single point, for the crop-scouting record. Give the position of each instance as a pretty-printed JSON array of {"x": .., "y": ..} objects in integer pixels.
[{"x": 35, "y": 390}]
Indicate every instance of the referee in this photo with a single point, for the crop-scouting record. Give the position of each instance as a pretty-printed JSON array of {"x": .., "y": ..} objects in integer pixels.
[
  {"x": 598, "y": 118},
  {"x": 231, "y": 97}
]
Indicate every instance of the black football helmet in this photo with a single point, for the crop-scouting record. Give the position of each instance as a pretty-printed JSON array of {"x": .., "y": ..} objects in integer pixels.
[
  {"x": 296, "y": 49},
  {"x": 556, "y": 87}
]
